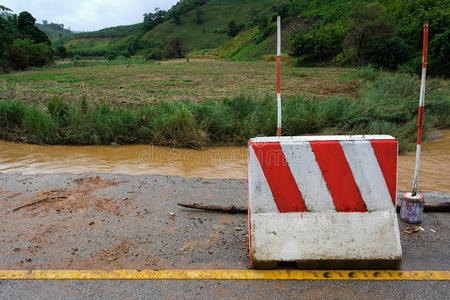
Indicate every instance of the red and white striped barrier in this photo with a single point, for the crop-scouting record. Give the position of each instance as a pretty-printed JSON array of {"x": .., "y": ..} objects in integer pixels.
[{"x": 323, "y": 198}]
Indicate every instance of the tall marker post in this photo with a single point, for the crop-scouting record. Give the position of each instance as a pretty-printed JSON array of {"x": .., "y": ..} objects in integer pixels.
[
  {"x": 278, "y": 76},
  {"x": 412, "y": 203},
  {"x": 415, "y": 183}
]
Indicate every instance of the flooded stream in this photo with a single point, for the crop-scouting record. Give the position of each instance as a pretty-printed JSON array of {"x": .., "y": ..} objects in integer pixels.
[{"x": 218, "y": 162}]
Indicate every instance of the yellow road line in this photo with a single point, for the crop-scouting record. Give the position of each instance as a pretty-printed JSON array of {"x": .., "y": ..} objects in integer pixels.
[{"x": 228, "y": 274}]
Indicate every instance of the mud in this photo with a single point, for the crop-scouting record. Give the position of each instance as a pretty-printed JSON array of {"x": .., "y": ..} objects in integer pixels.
[{"x": 218, "y": 162}]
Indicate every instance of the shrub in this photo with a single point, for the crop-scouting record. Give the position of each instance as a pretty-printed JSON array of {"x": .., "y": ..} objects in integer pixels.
[
  {"x": 386, "y": 53},
  {"x": 318, "y": 43},
  {"x": 154, "y": 54},
  {"x": 125, "y": 53},
  {"x": 112, "y": 55},
  {"x": 175, "y": 48},
  {"x": 439, "y": 54}
]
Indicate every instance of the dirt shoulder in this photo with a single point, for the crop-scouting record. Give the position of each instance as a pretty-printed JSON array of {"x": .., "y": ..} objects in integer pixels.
[{"x": 94, "y": 221}]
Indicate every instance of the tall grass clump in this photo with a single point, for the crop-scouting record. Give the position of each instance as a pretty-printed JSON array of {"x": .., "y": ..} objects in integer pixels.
[
  {"x": 40, "y": 126},
  {"x": 11, "y": 114},
  {"x": 390, "y": 106},
  {"x": 387, "y": 105}
]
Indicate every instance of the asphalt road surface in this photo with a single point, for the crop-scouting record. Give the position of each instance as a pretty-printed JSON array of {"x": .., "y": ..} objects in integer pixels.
[{"x": 113, "y": 222}]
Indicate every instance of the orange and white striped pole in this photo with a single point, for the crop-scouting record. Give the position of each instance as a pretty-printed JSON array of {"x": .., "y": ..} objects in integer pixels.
[
  {"x": 278, "y": 76},
  {"x": 415, "y": 183}
]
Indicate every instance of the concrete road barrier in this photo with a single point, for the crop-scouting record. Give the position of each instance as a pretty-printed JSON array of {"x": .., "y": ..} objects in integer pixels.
[{"x": 323, "y": 200}]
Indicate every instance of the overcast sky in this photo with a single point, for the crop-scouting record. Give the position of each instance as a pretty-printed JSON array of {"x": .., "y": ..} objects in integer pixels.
[{"x": 87, "y": 15}]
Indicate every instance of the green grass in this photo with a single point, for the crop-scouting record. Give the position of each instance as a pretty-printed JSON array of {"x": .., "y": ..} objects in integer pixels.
[
  {"x": 387, "y": 105},
  {"x": 213, "y": 30}
]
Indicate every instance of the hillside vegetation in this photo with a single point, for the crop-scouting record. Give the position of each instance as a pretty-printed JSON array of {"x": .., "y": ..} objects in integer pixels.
[
  {"x": 386, "y": 34},
  {"x": 22, "y": 44},
  {"x": 53, "y": 31},
  {"x": 199, "y": 24}
]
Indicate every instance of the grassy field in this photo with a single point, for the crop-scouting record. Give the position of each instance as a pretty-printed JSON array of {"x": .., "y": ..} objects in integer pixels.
[
  {"x": 209, "y": 102},
  {"x": 135, "y": 81}
]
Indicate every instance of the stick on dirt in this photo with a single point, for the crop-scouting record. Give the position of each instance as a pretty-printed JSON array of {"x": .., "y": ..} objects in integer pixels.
[
  {"x": 217, "y": 208},
  {"x": 38, "y": 201}
]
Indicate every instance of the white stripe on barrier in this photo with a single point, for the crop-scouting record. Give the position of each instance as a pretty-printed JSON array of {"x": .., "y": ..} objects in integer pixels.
[
  {"x": 368, "y": 175},
  {"x": 259, "y": 188},
  {"x": 308, "y": 176}
]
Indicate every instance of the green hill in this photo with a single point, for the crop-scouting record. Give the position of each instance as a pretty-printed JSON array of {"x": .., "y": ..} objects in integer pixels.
[
  {"x": 54, "y": 31},
  {"x": 211, "y": 31},
  {"x": 386, "y": 33},
  {"x": 199, "y": 25}
]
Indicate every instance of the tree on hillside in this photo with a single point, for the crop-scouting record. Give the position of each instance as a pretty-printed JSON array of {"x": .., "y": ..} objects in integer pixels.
[
  {"x": 27, "y": 29},
  {"x": 439, "y": 50},
  {"x": 4, "y": 8},
  {"x": 153, "y": 19},
  {"x": 176, "y": 16},
  {"x": 22, "y": 44},
  {"x": 176, "y": 48},
  {"x": 198, "y": 16},
  {"x": 234, "y": 29},
  {"x": 370, "y": 22},
  {"x": 61, "y": 51},
  {"x": 25, "y": 19}
]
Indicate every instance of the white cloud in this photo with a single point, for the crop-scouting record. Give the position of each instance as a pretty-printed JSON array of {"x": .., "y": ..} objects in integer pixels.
[{"x": 86, "y": 15}]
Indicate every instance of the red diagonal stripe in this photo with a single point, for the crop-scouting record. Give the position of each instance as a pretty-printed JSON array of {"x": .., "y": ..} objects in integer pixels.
[
  {"x": 386, "y": 153},
  {"x": 285, "y": 191},
  {"x": 338, "y": 176}
]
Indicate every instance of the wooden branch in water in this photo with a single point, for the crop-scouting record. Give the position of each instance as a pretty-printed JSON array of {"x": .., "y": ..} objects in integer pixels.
[
  {"x": 218, "y": 208},
  {"x": 428, "y": 207},
  {"x": 38, "y": 201}
]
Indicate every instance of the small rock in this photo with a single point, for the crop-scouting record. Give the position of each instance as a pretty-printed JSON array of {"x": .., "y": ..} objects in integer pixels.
[
  {"x": 28, "y": 259},
  {"x": 91, "y": 223},
  {"x": 238, "y": 229},
  {"x": 17, "y": 249}
]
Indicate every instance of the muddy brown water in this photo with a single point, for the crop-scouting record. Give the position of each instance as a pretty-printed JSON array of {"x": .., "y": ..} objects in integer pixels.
[{"x": 217, "y": 162}]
